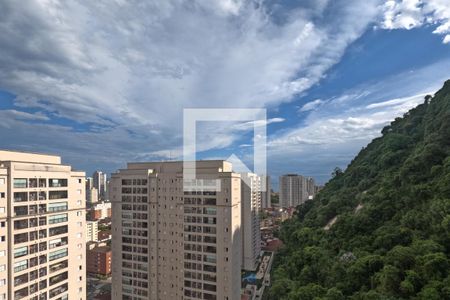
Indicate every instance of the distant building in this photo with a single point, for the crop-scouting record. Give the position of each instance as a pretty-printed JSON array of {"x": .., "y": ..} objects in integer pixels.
[
  {"x": 98, "y": 259},
  {"x": 99, "y": 182},
  {"x": 295, "y": 189},
  {"x": 91, "y": 196},
  {"x": 104, "y": 235},
  {"x": 250, "y": 227},
  {"x": 266, "y": 194},
  {"x": 100, "y": 211},
  {"x": 91, "y": 231}
]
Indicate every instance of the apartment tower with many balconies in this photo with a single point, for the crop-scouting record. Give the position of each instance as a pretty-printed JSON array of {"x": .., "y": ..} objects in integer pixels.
[
  {"x": 250, "y": 223},
  {"x": 42, "y": 228},
  {"x": 170, "y": 242}
]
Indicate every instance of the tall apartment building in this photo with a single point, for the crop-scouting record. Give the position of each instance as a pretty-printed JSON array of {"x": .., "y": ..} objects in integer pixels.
[
  {"x": 91, "y": 231},
  {"x": 293, "y": 190},
  {"x": 42, "y": 229},
  {"x": 99, "y": 182},
  {"x": 266, "y": 194},
  {"x": 172, "y": 243},
  {"x": 251, "y": 208}
]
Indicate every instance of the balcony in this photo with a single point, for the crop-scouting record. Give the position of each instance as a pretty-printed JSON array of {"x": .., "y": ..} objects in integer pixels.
[{"x": 20, "y": 197}]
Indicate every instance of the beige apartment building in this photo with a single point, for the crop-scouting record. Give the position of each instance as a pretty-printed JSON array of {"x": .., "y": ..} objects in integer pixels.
[
  {"x": 42, "y": 228},
  {"x": 295, "y": 190},
  {"x": 175, "y": 243},
  {"x": 250, "y": 211}
]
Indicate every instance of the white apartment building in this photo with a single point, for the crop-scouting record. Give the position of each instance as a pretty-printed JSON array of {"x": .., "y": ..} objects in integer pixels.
[
  {"x": 42, "y": 228},
  {"x": 266, "y": 194},
  {"x": 99, "y": 182},
  {"x": 251, "y": 208},
  {"x": 172, "y": 243},
  {"x": 91, "y": 231},
  {"x": 293, "y": 190}
]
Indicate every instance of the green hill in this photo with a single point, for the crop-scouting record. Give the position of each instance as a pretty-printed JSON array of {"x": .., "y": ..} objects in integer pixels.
[{"x": 381, "y": 229}]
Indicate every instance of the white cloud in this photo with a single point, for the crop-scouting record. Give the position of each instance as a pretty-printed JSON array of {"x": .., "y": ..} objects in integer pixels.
[
  {"x": 408, "y": 14},
  {"x": 311, "y": 105}
]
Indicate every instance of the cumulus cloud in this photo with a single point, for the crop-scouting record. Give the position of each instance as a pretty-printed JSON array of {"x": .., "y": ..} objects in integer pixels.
[
  {"x": 409, "y": 14},
  {"x": 133, "y": 66}
]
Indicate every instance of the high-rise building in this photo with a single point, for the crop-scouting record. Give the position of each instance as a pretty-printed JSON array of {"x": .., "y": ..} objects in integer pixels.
[
  {"x": 42, "y": 228},
  {"x": 175, "y": 243},
  {"x": 293, "y": 190},
  {"x": 251, "y": 208},
  {"x": 91, "y": 231},
  {"x": 266, "y": 194},
  {"x": 99, "y": 182}
]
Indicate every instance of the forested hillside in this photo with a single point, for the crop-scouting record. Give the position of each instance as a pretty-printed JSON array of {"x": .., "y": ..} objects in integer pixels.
[{"x": 381, "y": 229}]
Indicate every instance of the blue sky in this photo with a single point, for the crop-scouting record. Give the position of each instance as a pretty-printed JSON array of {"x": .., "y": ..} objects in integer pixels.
[{"x": 106, "y": 90}]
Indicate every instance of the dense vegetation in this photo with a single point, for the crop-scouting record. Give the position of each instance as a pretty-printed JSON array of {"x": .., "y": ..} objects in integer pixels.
[{"x": 391, "y": 237}]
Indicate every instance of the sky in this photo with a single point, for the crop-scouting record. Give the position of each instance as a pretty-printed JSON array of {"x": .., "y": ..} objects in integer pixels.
[{"x": 102, "y": 83}]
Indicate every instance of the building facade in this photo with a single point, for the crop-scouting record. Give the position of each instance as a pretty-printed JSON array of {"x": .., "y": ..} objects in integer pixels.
[
  {"x": 266, "y": 193},
  {"x": 173, "y": 243},
  {"x": 98, "y": 259},
  {"x": 294, "y": 190},
  {"x": 250, "y": 212},
  {"x": 99, "y": 182},
  {"x": 42, "y": 228},
  {"x": 100, "y": 211},
  {"x": 91, "y": 231}
]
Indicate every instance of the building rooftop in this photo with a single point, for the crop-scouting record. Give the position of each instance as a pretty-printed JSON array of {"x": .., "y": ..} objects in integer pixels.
[{"x": 22, "y": 156}]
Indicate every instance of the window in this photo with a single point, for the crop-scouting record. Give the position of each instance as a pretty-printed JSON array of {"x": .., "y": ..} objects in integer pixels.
[
  {"x": 79, "y": 213},
  {"x": 57, "y": 230},
  {"x": 21, "y": 210},
  {"x": 2, "y": 253},
  {"x": 21, "y": 279},
  {"x": 21, "y": 251},
  {"x": 58, "y": 278},
  {"x": 58, "y": 290},
  {"x": 2, "y": 210},
  {"x": 2, "y": 268},
  {"x": 57, "y": 219},
  {"x": 20, "y": 238},
  {"x": 57, "y": 242},
  {"x": 58, "y": 266},
  {"x": 2, "y": 195},
  {"x": 52, "y": 195},
  {"x": 2, "y": 181},
  {"x": 57, "y": 254},
  {"x": 2, "y": 224},
  {"x": 21, "y": 224},
  {"x": 2, "y": 282},
  {"x": 20, "y": 265},
  {"x": 57, "y": 182},
  {"x": 20, "y": 183},
  {"x": 57, "y": 206}
]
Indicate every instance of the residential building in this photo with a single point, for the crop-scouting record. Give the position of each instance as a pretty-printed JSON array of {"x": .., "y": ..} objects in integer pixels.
[
  {"x": 42, "y": 228},
  {"x": 100, "y": 211},
  {"x": 99, "y": 182},
  {"x": 91, "y": 196},
  {"x": 174, "y": 242},
  {"x": 266, "y": 193},
  {"x": 293, "y": 190},
  {"x": 250, "y": 227},
  {"x": 104, "y": 235},
  {"x": 91, "y": 231},
  {"x": 98, "y": 259}
]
